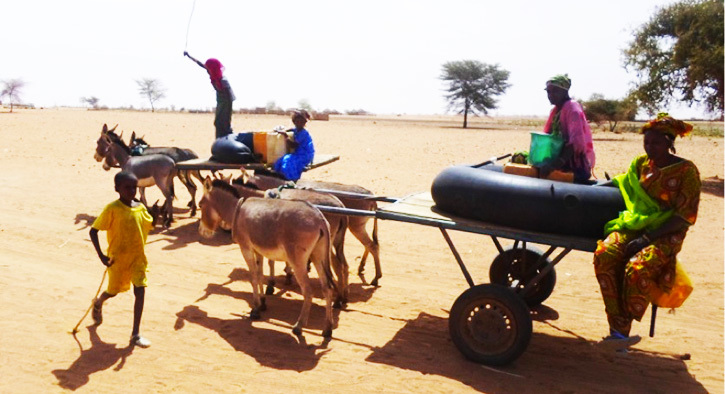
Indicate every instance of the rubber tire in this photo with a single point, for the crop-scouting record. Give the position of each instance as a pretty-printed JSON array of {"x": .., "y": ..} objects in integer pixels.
[
  {"x": 490, "y": 324},
  {"x": 507, "y": 267}
]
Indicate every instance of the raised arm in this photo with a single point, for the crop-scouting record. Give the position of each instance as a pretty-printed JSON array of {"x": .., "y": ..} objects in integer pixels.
[{"x": 195, "y": 61}]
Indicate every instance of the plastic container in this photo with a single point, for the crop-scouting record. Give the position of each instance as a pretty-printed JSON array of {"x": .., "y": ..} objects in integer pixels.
[
  {"x": 521, "y": 169},
  {"x": 271, "y": 145},
  {"x": 544, "y": 148},
  {"x": 681, "y": 289}
]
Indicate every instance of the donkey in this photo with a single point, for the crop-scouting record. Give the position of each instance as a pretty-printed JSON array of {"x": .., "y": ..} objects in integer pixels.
[
  {"x": 139, "y": 147},
  {"x": 338, "y": 226},
  {"x": 283, "y": 230},
  {"x": 150, "y": 170},
  {"x": 356, "y": 224}
]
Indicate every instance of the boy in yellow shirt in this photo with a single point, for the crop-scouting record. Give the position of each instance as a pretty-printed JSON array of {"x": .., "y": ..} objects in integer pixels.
[{"x": 127, "y": 223}]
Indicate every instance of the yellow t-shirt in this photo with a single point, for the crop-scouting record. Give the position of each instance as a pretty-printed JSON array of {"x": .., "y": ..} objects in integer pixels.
[{"x": 126, "y": 229}]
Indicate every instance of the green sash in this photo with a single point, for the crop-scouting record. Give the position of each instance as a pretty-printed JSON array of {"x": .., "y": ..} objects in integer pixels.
[{"x": 643, "y": 212}]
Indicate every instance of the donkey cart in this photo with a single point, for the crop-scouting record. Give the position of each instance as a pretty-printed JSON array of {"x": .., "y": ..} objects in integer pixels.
[{"x": 489, "y": 323}]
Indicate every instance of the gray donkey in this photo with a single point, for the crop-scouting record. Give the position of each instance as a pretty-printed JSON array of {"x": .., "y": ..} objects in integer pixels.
[
  {"x": 139, "y": 147},
  {"x": 150, "y": 170}
]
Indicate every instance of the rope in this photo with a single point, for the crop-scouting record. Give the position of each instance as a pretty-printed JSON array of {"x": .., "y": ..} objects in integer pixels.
[
  {"x": 75, "y": 329},
  {"x": 188, "y": 26}
]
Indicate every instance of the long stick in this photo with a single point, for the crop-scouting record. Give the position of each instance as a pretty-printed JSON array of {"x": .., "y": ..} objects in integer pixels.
[
  {"x": 188, "y": 26},
  {"x": 75, "y": 329}
]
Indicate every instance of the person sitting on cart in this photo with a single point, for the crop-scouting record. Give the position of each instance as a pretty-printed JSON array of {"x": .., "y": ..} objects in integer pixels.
[
  {"x": 567, "y": 119},
  {"x": 291, "y": 165},
  {"x": 638, "y": 255}
]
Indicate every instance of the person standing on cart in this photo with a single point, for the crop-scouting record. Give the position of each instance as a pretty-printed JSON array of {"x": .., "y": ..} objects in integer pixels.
[
  {"x": 567, "y": 119},
  {"x": 638, "y": 256},
  {"x": 224, "y": 95}
]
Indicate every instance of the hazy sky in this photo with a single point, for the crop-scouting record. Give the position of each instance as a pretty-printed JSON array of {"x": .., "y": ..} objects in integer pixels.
[{"x": 381, "y": 56}]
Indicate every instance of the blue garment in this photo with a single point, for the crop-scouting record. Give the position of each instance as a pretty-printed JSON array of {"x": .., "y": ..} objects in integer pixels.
[{"x": 292, "y": 164}]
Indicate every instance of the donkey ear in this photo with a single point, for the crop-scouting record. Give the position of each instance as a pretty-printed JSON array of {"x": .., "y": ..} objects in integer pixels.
[
  {"x": 133, "y": 136},
  {"x": 105, "y": 129},
  {"x": 114, "y": 128},
  {"x": 246, "y": 174},
  {"x": 120, "y": 135},
  {"x": 207, "y": 183}
]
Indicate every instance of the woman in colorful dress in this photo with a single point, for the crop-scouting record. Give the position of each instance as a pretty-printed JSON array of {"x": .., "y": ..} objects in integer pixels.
[
  {"x": 662, "y": 193},
  {"x": 567, "y": 119}
]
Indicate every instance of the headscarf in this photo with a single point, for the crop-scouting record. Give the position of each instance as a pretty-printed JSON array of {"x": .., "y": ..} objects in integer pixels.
[
  {"x": 668, "y": 125},
  {"x": 560, "y": 81},
  {"x": 215, "y": 68}
]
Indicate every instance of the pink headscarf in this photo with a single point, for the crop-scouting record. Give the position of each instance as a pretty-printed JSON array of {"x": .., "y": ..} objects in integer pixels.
[{"x": 214, "y": 68}]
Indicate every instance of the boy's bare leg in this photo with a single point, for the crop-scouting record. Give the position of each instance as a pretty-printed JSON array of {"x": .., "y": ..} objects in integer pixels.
[
  {"x": 136, "y": 339},
  {"x": 97, "y": 307}
]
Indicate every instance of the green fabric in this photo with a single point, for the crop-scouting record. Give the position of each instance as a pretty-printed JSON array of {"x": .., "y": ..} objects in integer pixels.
[
  {"x": 561, "y": 80},
  {"x": 643, "y": 213}
]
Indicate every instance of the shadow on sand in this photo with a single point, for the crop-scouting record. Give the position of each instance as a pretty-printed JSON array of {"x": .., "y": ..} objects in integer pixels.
[
  {"x": 99, "y": 357},
  {"x": 270, "y": 348},
  {"x": 424, "y": 345}
]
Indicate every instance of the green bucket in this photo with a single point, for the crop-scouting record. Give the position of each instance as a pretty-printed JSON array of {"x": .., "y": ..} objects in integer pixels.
[{"x": 544, "y": 148}]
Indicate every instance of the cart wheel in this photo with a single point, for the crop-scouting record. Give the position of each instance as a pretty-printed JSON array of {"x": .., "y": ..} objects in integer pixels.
[
  {"x": 490, "y": 324},
  {"x": 515, "y": 268}
]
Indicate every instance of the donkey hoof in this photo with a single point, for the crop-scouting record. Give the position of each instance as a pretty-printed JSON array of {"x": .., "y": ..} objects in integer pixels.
[
  {"x": 327, "y": 333},
  {"x": 297, "y": 331},
  {"x": 374, "y": 283},
  {"x": 254, "y": 314},
  {"x": 270, "y": 290}
]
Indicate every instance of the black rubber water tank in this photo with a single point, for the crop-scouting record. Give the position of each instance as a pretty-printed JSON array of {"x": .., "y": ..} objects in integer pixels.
[{"x": 526, "y": 203}]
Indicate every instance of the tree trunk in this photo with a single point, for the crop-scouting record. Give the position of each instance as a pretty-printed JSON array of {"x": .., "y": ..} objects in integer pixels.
[{"x": 465, "y": 115}]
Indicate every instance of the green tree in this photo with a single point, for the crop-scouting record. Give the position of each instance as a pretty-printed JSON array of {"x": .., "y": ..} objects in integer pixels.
[
  {"x": 92, "y": 101},
  {"x": 472, "y": 86},
  {"x": 599, "y": 110},
  {"x": 151, "y": 89},
  {"x": 12, "y": 89},
  {"x": 680, "y": 52}
]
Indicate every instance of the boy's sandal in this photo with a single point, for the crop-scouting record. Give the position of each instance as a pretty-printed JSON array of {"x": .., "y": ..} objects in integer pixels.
[
  {"x": 97, "y": 314},
  {"x": 138, "y": 340}
]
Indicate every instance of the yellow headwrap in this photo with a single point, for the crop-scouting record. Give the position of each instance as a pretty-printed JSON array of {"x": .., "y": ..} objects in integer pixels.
[{"x": 664, "y": 123}]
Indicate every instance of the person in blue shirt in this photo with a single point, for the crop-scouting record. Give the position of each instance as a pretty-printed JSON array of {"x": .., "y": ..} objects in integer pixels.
[{"x": 291, "y": 165}]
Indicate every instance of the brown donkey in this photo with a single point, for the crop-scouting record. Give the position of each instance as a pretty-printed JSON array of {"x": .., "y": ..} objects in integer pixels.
[
  {"x": 338, "y": 226},
  {"x": 356, "y": 224},
  {"x": 282, "y": 230}
]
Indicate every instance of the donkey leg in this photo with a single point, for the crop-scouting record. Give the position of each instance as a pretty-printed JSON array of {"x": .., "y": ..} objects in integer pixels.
[
  {"x": 372, "y": 247},
  {"x": 270, "y": 279},
  {"x": 303, "y": 280},
  {"x": 186, "y": 179},
  {"x": 327, "y": 291},
  {"x": 251, "y": 259}
]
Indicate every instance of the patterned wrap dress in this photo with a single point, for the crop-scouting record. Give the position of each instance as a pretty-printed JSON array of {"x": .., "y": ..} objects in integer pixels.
[{"x": 626, "y": 285}]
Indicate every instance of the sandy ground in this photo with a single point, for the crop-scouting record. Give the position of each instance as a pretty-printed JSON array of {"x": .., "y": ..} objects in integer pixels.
[{"x": 391, "y": 339}]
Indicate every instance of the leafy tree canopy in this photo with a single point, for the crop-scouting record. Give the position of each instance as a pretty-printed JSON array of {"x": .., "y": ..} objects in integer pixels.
[
  {"x": 599, "y": 110},
  {"x": 473, "y": 86},
  {"x": 679, "y": 52}
]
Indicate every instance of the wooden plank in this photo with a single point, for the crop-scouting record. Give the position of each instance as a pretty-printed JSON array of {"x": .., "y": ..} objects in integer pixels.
[{"x": 211, "y": 165}]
